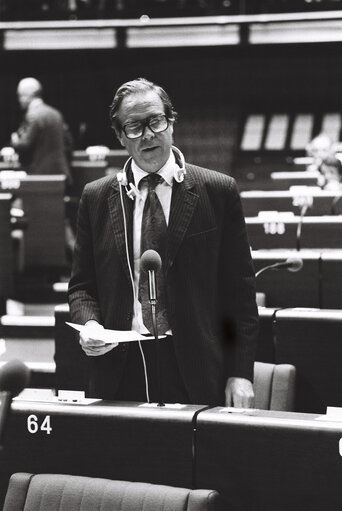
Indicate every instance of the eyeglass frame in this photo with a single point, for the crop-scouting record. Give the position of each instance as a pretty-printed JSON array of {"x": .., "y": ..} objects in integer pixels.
[{"x": 147, "y": 123}]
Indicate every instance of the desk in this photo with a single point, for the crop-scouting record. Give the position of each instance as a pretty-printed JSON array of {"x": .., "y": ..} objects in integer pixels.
[
  {"x": 270, "y": 461},
  {"x": 112, "y": 440},
  {"x": 332, "y": 279},
  {"x": 257, "y": 460},
  {"x": 84, "y": 172},
  {"x": 115, "y": 158},
  {"x": 6, "y": 252},
  {"x": 283, "y": 180},
  {"x": 284, "y": 288},
  {"x": 42, "y": 196},
  {"x": 311, "y": 340},
  {"x": 323, "y": 202},
  {"x": 71, "y": 361},
  {"x": 280, "y": 231}
]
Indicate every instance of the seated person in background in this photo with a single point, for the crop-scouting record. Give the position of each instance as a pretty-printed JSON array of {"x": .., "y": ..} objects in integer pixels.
[
  {"x": 42, "y": 139},
  {"x": 322, "y": 150}
]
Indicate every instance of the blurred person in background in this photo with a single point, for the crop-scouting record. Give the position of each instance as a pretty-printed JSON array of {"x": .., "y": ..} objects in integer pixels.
[
  {"x": 43, "y": 139},
  {"x": 323, "y": 151}
]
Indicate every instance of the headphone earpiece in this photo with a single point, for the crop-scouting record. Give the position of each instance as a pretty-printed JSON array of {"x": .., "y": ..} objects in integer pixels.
[{"x": 122, "y": 178}]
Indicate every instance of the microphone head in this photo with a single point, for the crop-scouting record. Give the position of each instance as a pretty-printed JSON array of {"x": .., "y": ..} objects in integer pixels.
[
  {"x": 295, "y": 264},
  {"x": 150, "y": 261},
  {"x": 14, "y": 377}
]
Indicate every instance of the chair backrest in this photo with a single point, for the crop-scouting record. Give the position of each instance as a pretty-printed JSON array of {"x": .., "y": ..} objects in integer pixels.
[
  {"x": 52, "y": 492},
  {"x": 274, "y": 386}
]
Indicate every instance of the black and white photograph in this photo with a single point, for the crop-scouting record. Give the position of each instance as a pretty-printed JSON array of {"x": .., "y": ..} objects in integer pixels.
[{"x": 170, "y": 255}]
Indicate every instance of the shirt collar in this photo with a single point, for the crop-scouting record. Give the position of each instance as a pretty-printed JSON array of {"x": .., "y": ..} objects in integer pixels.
[{"x": 167, "y": 171}]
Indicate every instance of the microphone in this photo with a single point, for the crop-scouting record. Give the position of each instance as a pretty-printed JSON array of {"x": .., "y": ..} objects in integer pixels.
[
  {"x": 292, "y": 264},
  {"x": 14, "y": 377},
  {"x": 150, "y": 263}
]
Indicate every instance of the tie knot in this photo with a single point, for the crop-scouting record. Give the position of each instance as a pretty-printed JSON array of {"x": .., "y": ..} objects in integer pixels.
[{"x": 152, "y": 180}]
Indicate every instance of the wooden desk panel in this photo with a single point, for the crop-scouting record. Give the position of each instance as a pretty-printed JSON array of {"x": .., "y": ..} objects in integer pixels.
[
  {"x": 311, "y": 340},
  {"x": 84, "y": 172},
  {"x": 256, "y": 459},
  {"x": 274, "y": 232},
  {"x": 323, "y": 202},
  {"x": 332, "y": 279},
  {"x": 284, "y": 288},
  {"x": 44, "y": 238},
  {"x": 115, "y": 158},
  {"x": 6, "y": 249},
  {"x": 269, "y": 461},
  {"x": 112, "y": 440},
  {"x": 283, "y": 180}
]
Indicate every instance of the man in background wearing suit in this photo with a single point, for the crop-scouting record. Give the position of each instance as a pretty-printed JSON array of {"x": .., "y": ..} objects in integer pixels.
[
  {"x": 41, "y": 140},
  {"x": 209, "y": 314}
]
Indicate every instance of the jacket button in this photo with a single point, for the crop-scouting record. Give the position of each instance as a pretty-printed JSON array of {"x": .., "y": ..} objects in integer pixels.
[{"x": 129, "y": 316}]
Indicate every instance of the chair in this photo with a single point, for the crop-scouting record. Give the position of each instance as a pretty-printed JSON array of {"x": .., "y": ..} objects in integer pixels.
[
  {"x": 274, "y": 386},
  {"x": 52, "y": 492}
]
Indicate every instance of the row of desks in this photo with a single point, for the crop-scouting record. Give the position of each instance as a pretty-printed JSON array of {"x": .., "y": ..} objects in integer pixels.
[
  {"x": 274, "y": 230},
  {"x": 318, "y": 284},
  {"x": 318, "y": 201},
  {"x": 255, "y": 459},
  {"x": 308, "y": 338},
  {"x": 42, "y": 198},
  {"x": 311, "y": 340}
]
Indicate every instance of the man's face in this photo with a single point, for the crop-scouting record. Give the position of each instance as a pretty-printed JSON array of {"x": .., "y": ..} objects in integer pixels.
[{"x": 150, "y": 151}]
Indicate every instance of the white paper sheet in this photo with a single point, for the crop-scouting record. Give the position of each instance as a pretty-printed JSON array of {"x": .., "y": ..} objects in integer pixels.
[{"x": 111, "y": 336}]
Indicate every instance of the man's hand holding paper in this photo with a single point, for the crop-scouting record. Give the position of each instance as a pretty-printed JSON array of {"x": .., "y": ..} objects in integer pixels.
[
  {"x": 97, "y": 340},
  {"x": 92, "y": 342}
]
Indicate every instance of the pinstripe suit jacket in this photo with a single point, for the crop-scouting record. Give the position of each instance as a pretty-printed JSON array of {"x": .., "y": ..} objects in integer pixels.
[{"x": 209, "y": 281}]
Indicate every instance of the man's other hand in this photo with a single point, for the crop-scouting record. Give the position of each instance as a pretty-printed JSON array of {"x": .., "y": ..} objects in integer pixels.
[
  {"x": 239, "y": 393},
  {"x": 90, "y": 342}
]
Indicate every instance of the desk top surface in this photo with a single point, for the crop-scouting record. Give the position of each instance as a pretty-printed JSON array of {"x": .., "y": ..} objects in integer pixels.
[{"x": 108, "y": 409}]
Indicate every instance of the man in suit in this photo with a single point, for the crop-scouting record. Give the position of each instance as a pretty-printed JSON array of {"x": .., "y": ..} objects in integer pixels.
[
  {"x": 42, "y": 137},
  {"x": 210, "y": 312}
]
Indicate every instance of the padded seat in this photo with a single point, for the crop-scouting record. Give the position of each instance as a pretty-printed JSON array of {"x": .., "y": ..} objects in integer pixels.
[
  {"x": 59, "y": 492},
  {"x": 274, "y": 386}
]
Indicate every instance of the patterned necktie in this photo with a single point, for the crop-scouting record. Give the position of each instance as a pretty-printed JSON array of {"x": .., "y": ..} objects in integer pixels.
[{"x": 153, "y": 236}]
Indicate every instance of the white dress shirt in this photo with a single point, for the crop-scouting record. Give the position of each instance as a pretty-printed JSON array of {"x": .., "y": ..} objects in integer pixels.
[{"x": 164, "y": 192}]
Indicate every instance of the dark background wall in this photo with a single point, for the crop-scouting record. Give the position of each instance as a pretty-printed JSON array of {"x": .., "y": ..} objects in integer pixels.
[{"x": 212, "y": 89}]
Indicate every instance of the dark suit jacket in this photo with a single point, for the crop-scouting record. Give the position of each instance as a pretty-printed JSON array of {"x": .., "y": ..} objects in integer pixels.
[
  {"x": 209, "y": 281},
  {"x": 41, "y": 145}
]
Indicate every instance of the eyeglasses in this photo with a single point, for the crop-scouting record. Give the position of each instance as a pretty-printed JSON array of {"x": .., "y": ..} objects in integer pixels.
[{"x": 156, "y": 124}]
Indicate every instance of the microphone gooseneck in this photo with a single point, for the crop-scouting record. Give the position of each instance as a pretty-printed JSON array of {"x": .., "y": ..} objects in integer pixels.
[{"x": 292, "y": 264}]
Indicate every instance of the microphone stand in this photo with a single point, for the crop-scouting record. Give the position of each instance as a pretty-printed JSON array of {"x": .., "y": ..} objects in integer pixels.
[
  {"x": 299, "y": 226},
  {"x": 153, "y": 302}
]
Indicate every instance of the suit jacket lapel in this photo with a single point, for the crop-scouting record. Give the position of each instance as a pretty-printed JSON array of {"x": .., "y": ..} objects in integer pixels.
[
  {"x": 116, "y": 215},
  {"x": 183, "y": 203}
]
